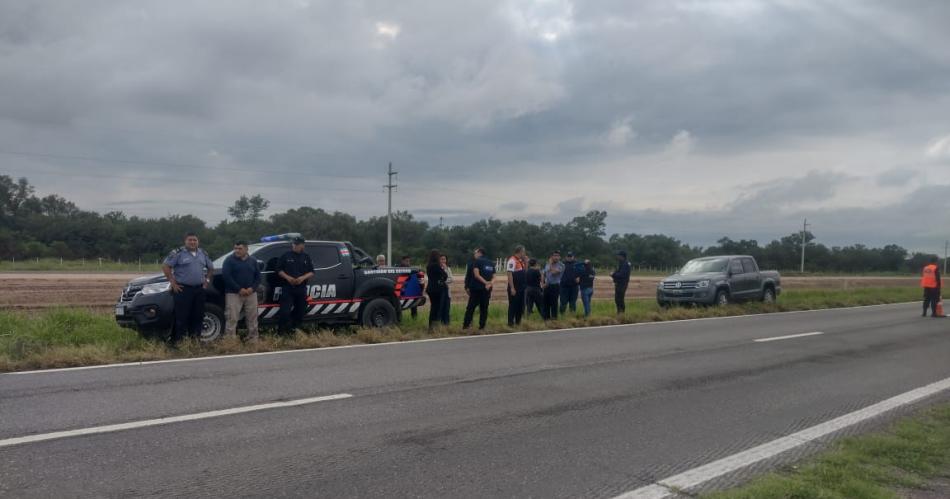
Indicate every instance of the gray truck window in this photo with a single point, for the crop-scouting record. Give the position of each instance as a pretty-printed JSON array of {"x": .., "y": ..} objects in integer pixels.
[
  {"x": 748, "y": 265},
  {"x": 735, "y": 267},
  {"x": 324, "y": 256}
]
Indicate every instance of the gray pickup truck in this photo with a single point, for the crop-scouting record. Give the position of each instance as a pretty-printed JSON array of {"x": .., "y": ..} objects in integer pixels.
[{"x": 719, "y": 280}]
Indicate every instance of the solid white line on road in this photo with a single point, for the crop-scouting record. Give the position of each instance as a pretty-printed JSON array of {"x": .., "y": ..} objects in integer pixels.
[
  {"x": 698, "y": 476},
  {"x": 451, "y": 338},
  {"x": 788, "y": 337},
  {"x": 167, "y": 420}
]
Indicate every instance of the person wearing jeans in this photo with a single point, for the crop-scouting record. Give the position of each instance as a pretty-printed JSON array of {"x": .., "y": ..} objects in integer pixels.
[
  {"x": 241, "y": 276},
  {"x": 587, "y": 286}
]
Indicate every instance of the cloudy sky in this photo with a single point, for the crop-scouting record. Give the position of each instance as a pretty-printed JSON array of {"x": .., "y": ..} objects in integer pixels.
[{"x": 690, "y": 118}]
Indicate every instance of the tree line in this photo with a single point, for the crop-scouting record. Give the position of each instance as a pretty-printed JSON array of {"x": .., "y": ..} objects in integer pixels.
[{"x": 51, "y": 226}]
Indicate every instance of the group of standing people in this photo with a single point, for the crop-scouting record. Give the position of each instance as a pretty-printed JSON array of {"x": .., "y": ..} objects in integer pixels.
[{"x": 552, "y": 289}]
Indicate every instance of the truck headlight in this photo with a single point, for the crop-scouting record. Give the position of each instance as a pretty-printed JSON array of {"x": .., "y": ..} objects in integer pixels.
[
  {"x": 158, "y": 287},
  {"x": 703, "y": 284}
]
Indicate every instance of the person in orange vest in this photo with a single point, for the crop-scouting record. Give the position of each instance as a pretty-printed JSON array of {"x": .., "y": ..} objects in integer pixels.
[{"x": 930, "y": 281}]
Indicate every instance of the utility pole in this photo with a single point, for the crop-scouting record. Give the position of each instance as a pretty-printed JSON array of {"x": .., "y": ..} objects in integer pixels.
[
  {"x": 946, "y": 247},
  {"x": 389, "y": 215},
  {"x": 804, "y": 231}
]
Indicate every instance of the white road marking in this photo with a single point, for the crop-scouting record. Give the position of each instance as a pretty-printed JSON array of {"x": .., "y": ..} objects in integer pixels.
[
  {"x": 788, "y": 337},
  {"x": 697, "y": 476},
  {"x": 166, "y": 420},
  {"x": 452, "y": 338}
]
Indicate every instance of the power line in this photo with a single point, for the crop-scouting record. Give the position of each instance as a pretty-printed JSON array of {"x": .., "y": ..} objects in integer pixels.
[
  {"x": 296, "y": 186},
  {"x": 164, "y": 164}
]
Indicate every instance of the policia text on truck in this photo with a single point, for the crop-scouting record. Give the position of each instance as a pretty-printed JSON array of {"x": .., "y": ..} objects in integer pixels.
[{"x": 346, "y": 287}]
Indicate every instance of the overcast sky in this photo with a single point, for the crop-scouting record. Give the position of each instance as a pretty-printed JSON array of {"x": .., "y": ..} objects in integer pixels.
[{"x": 690, "y": 118}]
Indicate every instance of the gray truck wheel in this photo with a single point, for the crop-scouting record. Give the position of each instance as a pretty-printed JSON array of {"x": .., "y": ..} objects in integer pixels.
[
  {"x": 722, "y": 298},
  {"x": 213, "y": 326},
  {"x": 379, "y": 312},
  {"x": 768, "y": 296}
]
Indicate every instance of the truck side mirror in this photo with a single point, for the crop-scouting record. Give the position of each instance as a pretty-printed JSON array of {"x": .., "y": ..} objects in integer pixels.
[{"x": 367, "y": 261}]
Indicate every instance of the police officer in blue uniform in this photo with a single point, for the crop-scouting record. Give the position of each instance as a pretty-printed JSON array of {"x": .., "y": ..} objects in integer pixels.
[
  {"x": 189, "y": 270},
  {"x": 478, "y": 282},
  {"x": 295, "y": 269}
]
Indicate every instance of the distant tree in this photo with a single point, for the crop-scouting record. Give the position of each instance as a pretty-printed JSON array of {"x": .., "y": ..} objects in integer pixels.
[{"x": 248, "y": 208}]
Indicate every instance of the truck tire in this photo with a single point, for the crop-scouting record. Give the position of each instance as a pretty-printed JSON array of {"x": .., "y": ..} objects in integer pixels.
[
  {"x": 379, "y": 312},
  {"x": 722, "y": 298},
  {"x": 213, "y": 327},
  {"x": 768, "y": 296}
]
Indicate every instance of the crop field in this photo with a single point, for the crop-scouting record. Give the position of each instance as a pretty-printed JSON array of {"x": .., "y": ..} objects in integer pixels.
[{"x": 99, "y": 291}]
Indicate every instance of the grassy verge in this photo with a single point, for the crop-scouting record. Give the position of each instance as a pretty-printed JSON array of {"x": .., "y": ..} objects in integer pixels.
[
  {"x": 907, "y": 455},
  {"x": 76, "y": 337}
]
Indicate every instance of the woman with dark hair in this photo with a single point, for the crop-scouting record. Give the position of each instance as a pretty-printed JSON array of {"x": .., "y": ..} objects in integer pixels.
[{"x": 436, "y": 287}]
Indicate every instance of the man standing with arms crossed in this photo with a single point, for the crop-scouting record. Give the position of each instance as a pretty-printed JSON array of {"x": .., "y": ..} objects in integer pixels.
[
  {"x": 930, "y": 281},
  {"x": 621, "y": 278},
  {"x": 517, "y": 282},
  {"x": 295, "y": 268},
  {"x": 189, "y": 270},
  {"x": 241, "y": 277}
]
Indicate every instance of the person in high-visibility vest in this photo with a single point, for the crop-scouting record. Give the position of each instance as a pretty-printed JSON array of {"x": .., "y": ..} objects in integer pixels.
[{"x": 930, "y": 281}]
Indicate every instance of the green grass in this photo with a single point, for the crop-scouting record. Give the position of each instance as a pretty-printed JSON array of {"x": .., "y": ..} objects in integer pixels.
[
  {"x": 91, "y": 265},
  {"x": 75, "y": 337},
  {"x": 907, "y": 455}
]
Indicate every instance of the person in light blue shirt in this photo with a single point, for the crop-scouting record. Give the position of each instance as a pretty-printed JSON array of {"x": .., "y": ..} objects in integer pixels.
[
  {"x": 189, "y": 270},
  {"x": 552, "y": 285}
]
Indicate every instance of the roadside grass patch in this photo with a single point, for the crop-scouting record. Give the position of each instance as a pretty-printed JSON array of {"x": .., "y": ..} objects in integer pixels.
[
  {"x": 907, "y": 455},
  {"x": 68, "y": 337}
]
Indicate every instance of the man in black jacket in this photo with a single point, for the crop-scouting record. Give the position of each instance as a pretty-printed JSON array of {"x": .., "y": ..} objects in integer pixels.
[
  {"x": 295, "y": 268},
  {"x": 621, "y": 278}
]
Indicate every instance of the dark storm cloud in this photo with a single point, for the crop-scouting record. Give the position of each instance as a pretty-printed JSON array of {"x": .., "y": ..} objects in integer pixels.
[{"x": 471, "y": 95}]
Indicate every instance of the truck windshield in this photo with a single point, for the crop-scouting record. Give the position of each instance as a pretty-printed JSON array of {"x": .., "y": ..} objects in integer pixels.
[
  {"x": 251, "y": 249},
  {"x": 703, "y": 266}
]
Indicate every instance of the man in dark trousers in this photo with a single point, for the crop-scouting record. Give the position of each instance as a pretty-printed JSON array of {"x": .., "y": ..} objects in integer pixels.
[
  {"x": 479, "y": 285},
  {"x": 517, "y": 282},
  {"x": 930, "y": 281},
  {"x": 295, "y": 268},
  {"x": 551, "y": 283},
  {"x": 621, "y": 278},
  {"x": 570, "y": 280},
  {"x": 189, "y": 270},
  {"x": 533, "y": 294}
]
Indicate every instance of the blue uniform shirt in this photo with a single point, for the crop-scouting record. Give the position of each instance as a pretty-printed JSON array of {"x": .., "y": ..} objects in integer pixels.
[
  {"x": 189, "y": 269},
  {"x": 486, "y": 269}
]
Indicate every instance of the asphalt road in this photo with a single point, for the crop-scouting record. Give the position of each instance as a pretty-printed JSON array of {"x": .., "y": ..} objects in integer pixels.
[{"x": 580, "y": 413}]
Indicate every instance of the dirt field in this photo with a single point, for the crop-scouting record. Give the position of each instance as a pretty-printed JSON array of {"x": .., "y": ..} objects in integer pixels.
[{"x": 101, "y": 290}]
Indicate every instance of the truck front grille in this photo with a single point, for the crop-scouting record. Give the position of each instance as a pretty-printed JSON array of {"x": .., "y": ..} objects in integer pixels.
[
  {"x": 129, "y": 293},
  {"x": 682, "y": 285}
]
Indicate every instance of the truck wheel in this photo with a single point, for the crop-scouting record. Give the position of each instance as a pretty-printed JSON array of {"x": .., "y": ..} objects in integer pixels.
[
  {"x": 379, "y": 313},
  {"x": 213, "y": 326},
  {"x": 722, "y": 298},
  {"x": 768, "y": 296}
]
